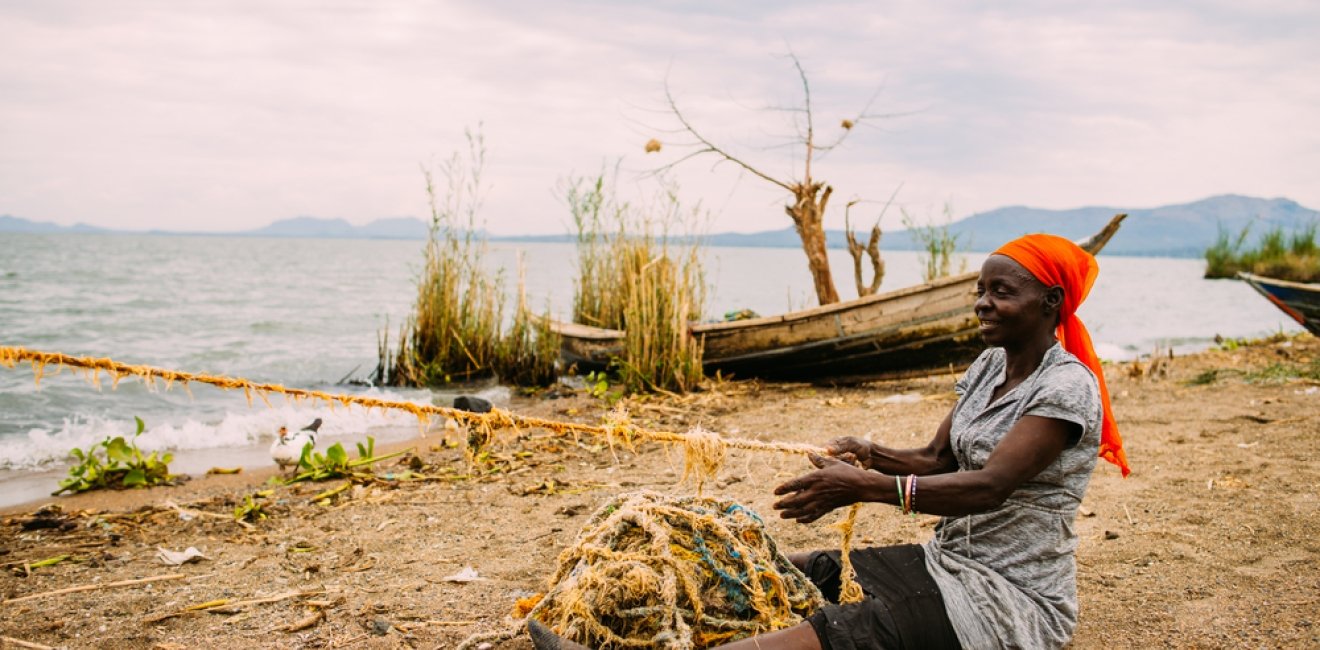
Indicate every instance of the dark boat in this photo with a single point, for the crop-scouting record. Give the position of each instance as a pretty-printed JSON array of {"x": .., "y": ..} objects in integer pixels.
[
  {"x": 1299, "y": 300},
  {"x": 909, "y": 332}
]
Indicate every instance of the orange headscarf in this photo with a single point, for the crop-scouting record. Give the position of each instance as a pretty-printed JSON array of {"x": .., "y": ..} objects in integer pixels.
[{"x": 1055, "y": 261}]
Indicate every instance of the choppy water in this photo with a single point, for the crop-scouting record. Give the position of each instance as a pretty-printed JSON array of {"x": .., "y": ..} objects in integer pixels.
[{"x": 306, "y": 313}]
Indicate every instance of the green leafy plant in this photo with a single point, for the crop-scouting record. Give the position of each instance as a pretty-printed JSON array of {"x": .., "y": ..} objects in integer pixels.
[
  {"x": 335, "y": 463},
  {"x": 598, "y": 384},
  {"x": 1278, "y": 254},
  {"x": 116, "y": 463},
  {"x": 937, "y": 244},
  {"x": 250, "y": 511}
]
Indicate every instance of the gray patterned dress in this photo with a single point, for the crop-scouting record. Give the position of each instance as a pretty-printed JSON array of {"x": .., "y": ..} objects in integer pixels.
[{"x": 1008, "y": 576}]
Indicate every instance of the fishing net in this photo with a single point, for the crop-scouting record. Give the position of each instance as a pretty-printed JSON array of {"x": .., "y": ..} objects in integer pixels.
[{"x": 676, "y": 573}]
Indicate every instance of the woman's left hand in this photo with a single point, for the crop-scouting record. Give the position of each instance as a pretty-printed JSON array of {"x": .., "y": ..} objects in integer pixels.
[{"x": 812, "y": 496}]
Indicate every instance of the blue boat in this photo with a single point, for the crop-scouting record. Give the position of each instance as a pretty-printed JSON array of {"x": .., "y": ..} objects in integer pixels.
[{"x": 1299, "y": 300}]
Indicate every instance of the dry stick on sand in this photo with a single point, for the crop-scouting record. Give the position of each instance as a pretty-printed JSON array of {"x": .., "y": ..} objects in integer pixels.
[
  {"x": 228, "y": 605},
  {"x": 6, "y": 641},
  {"x": 304, "y": 623},
  {"x": 96, "y": 587}
]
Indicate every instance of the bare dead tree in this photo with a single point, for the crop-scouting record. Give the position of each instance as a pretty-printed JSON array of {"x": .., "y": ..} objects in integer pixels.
[
  {"x": 810, "y": 197},
  {"x": 871, "y": 249}
]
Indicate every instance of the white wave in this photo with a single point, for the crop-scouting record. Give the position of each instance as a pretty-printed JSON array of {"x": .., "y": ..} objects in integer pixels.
[{"x": 43, "y": 448}]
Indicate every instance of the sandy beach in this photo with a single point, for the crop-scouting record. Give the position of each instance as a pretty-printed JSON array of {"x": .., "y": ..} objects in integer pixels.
[{"x": 1214, "y": 541}]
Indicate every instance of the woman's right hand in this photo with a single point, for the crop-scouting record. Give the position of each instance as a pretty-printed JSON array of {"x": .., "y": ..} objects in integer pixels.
[{"x": 851, "y": 449}]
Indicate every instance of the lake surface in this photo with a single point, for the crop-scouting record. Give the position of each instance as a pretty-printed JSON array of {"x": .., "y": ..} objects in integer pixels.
[{"x": 307, "y": 313}]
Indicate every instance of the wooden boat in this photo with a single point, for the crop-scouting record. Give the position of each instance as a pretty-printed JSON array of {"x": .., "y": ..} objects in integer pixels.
[
  {"x": 1299, "y": 300},
  {"x": 909, "y": 332}
]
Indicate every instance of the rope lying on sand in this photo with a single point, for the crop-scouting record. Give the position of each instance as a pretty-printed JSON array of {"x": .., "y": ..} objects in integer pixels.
[{"x": 703, "y": 451}]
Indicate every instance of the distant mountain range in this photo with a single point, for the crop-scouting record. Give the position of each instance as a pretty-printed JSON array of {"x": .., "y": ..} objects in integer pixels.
[{"x": 1184, "y": 230}]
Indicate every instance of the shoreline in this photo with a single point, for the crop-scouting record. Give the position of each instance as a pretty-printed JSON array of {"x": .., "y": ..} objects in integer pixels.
[
  {"x": 1212, "y": 542},
  {"x": 255, "y": 461},
  {"x": 20, "y": 488}
]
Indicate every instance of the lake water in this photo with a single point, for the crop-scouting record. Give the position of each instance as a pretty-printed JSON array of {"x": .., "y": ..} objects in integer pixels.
[{"x": 307, "y": 312}]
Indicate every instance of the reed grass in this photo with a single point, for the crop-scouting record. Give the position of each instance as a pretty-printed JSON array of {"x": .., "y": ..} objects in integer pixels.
[
  {"x": 526, "y": 353},
  {"x": 937, "y": 244},
  {"x": 635, "y": 274},
  {"x": 1278, "y": 254},
  {"x": 455, "y": 332}
]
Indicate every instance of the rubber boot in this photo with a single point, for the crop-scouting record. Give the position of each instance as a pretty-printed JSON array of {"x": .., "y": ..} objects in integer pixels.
[{"x": 544, "y": 638}]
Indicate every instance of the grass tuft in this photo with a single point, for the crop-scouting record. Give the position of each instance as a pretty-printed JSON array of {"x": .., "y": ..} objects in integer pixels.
[
  {"x": 1278, "y": 254},
  {"x": 635, "y": 276},
  {"x": 454, "y": 333},
  {"x": 937, "y": 244}
]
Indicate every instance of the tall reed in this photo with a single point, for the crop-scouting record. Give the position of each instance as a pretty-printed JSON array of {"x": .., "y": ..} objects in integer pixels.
[
  {"x": 453, "y": 332},
  {"x": 637, "y": 275},
  {"x": 525, "y": 354}
]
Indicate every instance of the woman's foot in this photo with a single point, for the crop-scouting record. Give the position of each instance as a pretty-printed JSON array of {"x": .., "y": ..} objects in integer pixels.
[{"x": 544, "y": 638}]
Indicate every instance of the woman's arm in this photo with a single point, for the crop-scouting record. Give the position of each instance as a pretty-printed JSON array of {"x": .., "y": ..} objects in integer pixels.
[
  {"x": 1026, "y": 450},
  {"x": 935, "y": 458}
]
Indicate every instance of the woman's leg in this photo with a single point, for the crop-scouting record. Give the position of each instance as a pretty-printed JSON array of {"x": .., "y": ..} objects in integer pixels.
[{"x": 799, "y": 637}]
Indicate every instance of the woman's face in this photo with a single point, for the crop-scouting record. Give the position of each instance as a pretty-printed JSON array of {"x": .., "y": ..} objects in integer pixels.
[{"x": 1010, "y": 303}]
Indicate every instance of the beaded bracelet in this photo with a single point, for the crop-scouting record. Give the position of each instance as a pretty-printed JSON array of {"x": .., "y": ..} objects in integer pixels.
[
  {"x": 912, "y": 495},
  {"x": 902, "y": 501}
]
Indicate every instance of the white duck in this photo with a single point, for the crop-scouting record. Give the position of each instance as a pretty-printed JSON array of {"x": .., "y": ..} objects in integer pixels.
[{"x": 288, "y": 448}]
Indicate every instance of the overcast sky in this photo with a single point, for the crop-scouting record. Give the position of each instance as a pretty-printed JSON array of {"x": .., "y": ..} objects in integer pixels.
[{"x": 230, "y": 115}]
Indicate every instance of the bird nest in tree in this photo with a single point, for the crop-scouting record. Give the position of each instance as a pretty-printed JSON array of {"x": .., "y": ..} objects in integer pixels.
[{"x": 651, "y": 571}]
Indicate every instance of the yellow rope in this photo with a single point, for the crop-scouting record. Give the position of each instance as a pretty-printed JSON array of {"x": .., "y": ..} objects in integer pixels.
[
  {"x": 849, "y": 590},
  {"x": 704, "y": 451},
  {"x": 613, "y": 433}
]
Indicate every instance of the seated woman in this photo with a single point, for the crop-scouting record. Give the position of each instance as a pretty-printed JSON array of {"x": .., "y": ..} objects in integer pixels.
[{"x": 1007, "y": 470}]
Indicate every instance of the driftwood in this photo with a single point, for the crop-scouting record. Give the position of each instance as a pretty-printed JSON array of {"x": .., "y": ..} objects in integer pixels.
[{"x": 872, "y": 250}]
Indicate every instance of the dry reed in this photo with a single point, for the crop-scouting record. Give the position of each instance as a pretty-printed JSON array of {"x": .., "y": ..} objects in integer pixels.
[
  {"x": 525, "y": 354},
  {"x": 635, "y": 276},
  {"x": 455, "y": 332}
]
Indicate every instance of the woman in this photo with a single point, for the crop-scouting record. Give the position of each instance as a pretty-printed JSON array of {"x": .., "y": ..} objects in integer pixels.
[{"x": 1007, "y": 469}]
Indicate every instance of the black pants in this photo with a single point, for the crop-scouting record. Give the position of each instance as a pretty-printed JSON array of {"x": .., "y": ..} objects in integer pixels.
[{"x": 902, "y": 607}]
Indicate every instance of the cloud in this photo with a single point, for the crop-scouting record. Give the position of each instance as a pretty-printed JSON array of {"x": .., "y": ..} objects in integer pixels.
[{"x": 216, "y": 116}]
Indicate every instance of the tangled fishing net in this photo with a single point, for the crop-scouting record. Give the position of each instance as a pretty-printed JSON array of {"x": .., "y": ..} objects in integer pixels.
[{"x": 677, "y": 573}]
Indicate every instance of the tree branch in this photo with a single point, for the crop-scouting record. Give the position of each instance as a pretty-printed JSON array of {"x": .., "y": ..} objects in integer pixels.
[{"x": 711, "y": 147}]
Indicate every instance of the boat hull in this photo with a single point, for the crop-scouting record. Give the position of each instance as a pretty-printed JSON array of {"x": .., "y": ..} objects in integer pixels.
[
  {"x": 1299, "y": 300},
  {"x": 915, "y": 331}
]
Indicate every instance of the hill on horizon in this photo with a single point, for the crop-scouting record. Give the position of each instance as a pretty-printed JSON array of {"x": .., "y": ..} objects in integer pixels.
[{"x": 1183, "y": 230}]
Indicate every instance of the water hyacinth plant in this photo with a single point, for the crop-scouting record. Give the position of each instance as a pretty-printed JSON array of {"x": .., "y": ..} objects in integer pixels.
[{"x": 116, "y": 463}]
